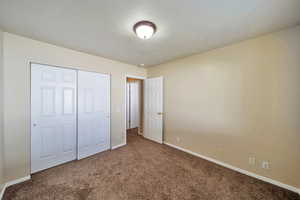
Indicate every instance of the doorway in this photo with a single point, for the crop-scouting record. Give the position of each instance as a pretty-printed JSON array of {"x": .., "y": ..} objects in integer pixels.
[
  {"x": 134, "y": 106},
  {"x": 144, "y": 97}
]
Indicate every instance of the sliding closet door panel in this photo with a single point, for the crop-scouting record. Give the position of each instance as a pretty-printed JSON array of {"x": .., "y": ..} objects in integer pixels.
[
  {"x": 93, "y": 113},
  {"x": 53, "y": 116}
]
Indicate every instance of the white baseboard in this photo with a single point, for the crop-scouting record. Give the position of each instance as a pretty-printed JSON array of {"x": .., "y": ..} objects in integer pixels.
[
  {"x": 13, "y": 182},
  {"x": 282, "y": 185},
  {"x": 118, "y": 146},
  {"x": 20, "y": 180},
  {"x": 152, "y": 139}
]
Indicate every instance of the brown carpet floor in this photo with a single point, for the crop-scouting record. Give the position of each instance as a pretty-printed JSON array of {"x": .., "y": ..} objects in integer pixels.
[{"x": 144, "y": 170}]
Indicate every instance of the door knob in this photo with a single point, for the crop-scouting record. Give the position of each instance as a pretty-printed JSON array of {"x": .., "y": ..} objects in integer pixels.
[
  {"x": 34, "y": 124},
  {"x": 160, "y": 113}
]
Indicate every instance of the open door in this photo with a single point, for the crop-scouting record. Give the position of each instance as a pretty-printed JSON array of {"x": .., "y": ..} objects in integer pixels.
[{"x": 153, "y": 105}]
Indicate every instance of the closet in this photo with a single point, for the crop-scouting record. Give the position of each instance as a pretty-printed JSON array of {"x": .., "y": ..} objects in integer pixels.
[{"x": 70, "y": 115}]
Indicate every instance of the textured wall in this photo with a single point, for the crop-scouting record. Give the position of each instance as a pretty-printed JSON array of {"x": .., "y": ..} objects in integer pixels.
[
  {"x": 18, "y": 52},
  {"x": 239, "y": 101}
]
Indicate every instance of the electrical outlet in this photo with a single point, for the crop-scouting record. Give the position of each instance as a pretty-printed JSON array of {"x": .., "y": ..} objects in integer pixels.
[
  {"x": 251, "y": 160},
  {"x": 265, "y": 165},
  {"x": 178, "y": 139}
]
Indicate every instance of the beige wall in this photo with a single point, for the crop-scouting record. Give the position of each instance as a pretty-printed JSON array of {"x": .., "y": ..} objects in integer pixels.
[
  {"x": 239, "y": 101},
  {"x": 18, "y": 52},
  {"x": 1, "y": 113}
]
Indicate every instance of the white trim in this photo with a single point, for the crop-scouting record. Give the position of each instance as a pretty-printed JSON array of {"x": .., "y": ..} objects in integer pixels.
[
  {"x": 13, "y": 182},
  {"x": 118, "y": 146},
  {"x": 125, "y": 105},
  {"x": 265, "y": 179},
  {"x": 20, "y": 180},
  {"x": 154, "y": 140},
  {"x": 136, "y": 77}
]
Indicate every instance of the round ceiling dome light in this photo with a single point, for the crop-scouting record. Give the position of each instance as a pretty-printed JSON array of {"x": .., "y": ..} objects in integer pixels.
[{"x": 144, "y": 29}]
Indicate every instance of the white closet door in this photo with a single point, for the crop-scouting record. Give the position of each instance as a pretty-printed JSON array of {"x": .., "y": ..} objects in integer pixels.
[
  {"x": 93, "y": 113},
  {"x": 135, "y": 104},
  {"x": 53, "y": 116},
  {"x": 153, "y": 115}
]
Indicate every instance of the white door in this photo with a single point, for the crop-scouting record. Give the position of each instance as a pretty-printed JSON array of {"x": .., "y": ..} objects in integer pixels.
[
  {"x": 153, "y": 106},
  {"x": 53, "y": 116},
  {"x": 93, "y": 113},
  {"x": 135, "y": 104}
]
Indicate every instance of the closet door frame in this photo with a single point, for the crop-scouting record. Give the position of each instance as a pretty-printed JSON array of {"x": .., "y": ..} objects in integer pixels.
[{"x": 30, "y": 63}]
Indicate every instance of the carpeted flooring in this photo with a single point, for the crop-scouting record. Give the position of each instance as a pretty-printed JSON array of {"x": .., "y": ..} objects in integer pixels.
[{"x": 144, "y": 170}]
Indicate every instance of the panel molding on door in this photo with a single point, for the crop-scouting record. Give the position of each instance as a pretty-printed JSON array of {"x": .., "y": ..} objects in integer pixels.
[
  {"x": 53, "y": 116},
  {"x": 153, "y": 106},
  {"x": 93, "y": 113}
]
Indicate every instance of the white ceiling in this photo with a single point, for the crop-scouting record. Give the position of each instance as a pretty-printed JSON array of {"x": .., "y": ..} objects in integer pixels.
[{"x": 104, "y": 27}]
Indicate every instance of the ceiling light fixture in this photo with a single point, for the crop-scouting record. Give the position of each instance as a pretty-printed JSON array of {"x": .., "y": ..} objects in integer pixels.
[{"x": 144, "y": 29}]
